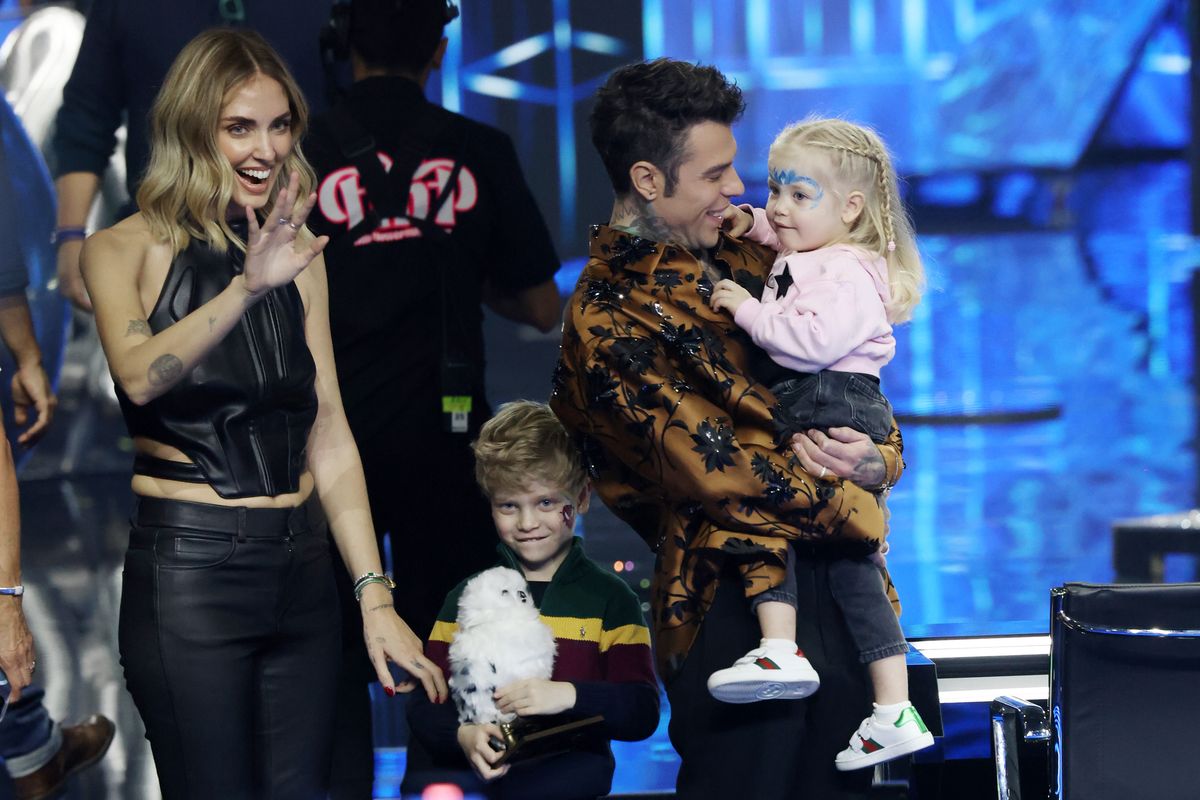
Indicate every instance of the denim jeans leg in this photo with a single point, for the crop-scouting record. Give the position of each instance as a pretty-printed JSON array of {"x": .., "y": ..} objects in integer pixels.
[
  {"x": 857, "y": 587},
  {"x": 28, "y": 737},
  {"x": 784, "y": 592}
]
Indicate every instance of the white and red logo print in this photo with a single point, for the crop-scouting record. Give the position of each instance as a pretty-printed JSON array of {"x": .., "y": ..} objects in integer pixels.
[{"x": 342, "y": 199}]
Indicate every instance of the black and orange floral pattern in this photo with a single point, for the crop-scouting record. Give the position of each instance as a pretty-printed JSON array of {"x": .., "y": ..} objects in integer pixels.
[{"x": 678, "y": 435}]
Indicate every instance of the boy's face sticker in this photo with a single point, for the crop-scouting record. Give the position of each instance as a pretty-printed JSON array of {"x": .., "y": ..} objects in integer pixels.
[{"x": 537, "y": 521}]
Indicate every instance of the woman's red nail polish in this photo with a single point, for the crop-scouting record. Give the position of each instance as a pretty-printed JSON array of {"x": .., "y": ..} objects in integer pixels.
[{"x": 390, "y": 691}]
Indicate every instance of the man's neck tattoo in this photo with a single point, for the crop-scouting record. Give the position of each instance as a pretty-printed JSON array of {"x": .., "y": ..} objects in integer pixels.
[{"x": 637, "y": 217}]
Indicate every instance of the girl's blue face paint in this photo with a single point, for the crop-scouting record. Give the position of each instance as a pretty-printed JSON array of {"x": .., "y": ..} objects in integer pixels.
[
  {"x": 796, "y": 206},
  {"x": 787, "y": 177}
]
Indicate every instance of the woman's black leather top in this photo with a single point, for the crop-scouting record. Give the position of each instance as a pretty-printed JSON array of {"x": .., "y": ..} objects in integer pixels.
[{"x": 242, "y": 414}]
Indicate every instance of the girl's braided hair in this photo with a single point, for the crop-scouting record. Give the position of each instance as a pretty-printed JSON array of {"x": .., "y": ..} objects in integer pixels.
[{"x": 862, "y": 163}]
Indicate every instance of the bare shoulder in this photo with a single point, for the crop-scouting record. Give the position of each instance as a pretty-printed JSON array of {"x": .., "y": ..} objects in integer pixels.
[{"x": 124, "y": 245}]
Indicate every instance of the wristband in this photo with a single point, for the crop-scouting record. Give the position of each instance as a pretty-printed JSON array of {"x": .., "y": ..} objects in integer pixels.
[
  {"x": 13, "y": 591},
  {"x": 67, "y": 234},
  {"x": 367, "y": 578}
]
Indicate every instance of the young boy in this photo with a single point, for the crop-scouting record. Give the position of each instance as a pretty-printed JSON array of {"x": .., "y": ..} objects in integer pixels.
[{"x": 532, "y": 474}]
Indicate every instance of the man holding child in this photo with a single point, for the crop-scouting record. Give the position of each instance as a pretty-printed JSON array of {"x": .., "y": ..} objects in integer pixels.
[{"x": 668, "y": 400}]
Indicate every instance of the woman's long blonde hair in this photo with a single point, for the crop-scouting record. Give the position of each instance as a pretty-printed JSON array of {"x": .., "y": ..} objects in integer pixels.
[
  {"x": 861, "y": 163},
  {"x": 189, "y": 184}
]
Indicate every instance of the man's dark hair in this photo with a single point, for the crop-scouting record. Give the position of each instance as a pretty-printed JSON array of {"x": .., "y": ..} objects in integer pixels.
[
  {"x": 643, "y": 113},
  {"x": 396, "y": 35}
]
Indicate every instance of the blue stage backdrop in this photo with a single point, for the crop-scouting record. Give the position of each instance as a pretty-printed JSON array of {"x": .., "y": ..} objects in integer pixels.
[{"x": 1044, "y": 385}]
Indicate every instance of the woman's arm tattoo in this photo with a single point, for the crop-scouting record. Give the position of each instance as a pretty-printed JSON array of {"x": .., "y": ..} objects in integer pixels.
[
  {"x": 138, "y": 327},
  {"x": 164, "y": 370}
]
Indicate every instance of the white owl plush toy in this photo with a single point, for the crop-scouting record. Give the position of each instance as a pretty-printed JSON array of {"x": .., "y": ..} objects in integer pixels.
[{"x": 500, "y": 639}]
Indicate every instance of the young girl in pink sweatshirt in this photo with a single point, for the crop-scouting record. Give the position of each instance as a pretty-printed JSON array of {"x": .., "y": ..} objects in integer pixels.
[{"x": 848, "y": 270}]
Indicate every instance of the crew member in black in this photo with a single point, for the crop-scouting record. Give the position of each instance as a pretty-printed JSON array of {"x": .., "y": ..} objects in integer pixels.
[
  {"x": 430, "y": 217},
  {"x": 211, "y": 306}
]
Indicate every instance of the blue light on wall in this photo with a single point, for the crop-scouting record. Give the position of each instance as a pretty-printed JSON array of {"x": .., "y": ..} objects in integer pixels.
[{"x": 562, "y": 95}]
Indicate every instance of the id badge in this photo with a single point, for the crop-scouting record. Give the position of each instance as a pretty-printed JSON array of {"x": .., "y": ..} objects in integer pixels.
[{"x": 456, "y": 396}]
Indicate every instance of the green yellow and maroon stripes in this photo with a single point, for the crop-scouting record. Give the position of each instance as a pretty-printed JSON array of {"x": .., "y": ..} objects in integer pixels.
[{"x": 596, "y": 619}]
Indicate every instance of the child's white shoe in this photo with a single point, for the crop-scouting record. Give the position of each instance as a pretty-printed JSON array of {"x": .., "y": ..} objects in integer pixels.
[
  {"x": 876, "y": 741},
  {"x": 765, "y": 673}
]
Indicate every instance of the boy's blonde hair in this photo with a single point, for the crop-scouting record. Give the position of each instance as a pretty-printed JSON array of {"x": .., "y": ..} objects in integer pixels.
[
  {"x": 525, "y": 442},
  {"x": 189, "y": 183},
  {"x": 861, "y": 163}
]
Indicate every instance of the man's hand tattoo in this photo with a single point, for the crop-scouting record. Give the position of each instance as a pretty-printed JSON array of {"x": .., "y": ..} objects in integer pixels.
[
  {"x": 870, "y": 471},
  {"x": 165, "y": 370}
]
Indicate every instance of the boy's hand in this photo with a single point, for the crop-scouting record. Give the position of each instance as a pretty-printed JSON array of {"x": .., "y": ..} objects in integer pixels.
[
  {"x": 736, "y": 222},
  {"x": 473, "y": 739},
  {"x": 535, "y": 696},
  {"x": 728, "y": 295}
]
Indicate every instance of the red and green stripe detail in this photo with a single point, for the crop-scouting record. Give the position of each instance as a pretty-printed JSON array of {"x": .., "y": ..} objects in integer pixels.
[{"x": 766, "y": 663}]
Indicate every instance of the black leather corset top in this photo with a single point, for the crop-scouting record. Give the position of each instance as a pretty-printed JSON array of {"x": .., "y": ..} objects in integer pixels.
[{"x": 244, "y": 412}]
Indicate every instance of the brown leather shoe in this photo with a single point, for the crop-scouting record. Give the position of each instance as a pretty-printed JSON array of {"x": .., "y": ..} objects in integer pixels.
[{"x": 82, "y": 745}]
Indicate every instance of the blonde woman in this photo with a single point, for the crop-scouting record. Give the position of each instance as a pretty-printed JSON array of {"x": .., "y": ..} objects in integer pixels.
[
  {"x": 211, "y": 305},
  {"x": 847, "y": 271}
]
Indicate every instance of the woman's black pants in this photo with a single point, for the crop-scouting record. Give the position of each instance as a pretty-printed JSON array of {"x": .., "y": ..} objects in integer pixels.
[{"x": 230, "y": 640}]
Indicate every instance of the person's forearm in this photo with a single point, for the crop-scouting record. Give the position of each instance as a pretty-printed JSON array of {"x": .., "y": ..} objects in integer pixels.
[
  {"x": 76, "y": 193},
  {"x": 16, "y": 330},
  {"x": 10, "y": 518},
  {"x": 341, "y": 485},
  {"x": 630, "y": 710}
]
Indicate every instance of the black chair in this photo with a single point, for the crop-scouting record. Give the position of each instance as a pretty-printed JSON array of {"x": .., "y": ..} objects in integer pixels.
[{"x": 1124, "y": 697}]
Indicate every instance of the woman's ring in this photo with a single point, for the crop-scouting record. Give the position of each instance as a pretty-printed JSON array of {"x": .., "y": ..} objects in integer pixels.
[
  {"x": 32, "y": 666},
  {"x": 293, "y": 226},
  {"x": 284, "y": 221},
  {"x": 821, "y": 474}
]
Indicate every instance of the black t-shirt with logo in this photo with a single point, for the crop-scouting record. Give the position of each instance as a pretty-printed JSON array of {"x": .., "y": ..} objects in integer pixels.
[{"x": 385, "y": 288}]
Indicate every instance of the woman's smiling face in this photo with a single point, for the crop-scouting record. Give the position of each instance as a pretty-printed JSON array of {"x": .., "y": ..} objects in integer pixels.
[{"x": 255, "y": 134}]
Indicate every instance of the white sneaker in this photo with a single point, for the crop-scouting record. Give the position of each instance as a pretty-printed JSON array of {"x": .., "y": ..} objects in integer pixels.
[
  {"x": 764, "y": 674},
  {"x": 876, "y": 742}
]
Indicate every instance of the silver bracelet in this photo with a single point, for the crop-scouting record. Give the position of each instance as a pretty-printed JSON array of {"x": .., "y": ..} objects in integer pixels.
[{"x": 366, "y": 579}]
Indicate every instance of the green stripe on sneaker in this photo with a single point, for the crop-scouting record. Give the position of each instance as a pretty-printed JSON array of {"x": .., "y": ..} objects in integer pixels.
[
  {"x": 870, "y": 746},
  {"x": 765, "y": 663},
  {"x": 910, "y": 715}
]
